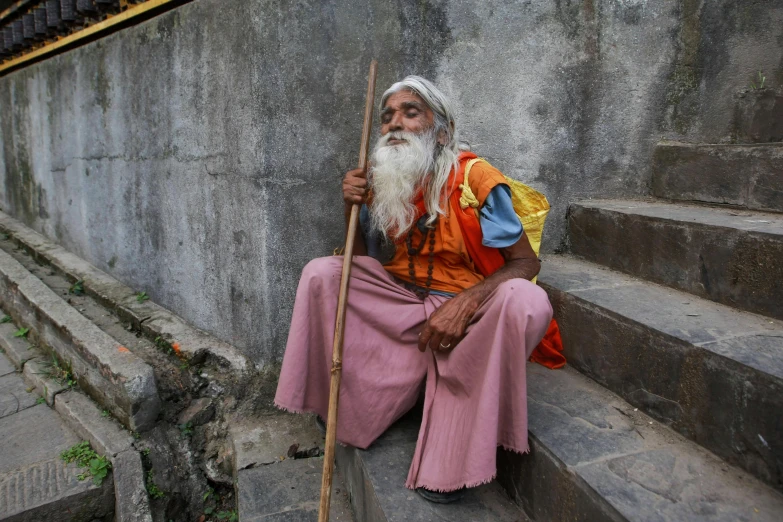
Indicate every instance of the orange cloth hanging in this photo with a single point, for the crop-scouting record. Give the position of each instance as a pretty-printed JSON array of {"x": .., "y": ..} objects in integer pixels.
[{"x": 487, "y": 260}]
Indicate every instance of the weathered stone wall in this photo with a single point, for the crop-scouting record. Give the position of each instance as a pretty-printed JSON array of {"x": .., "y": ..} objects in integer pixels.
[{"x": 198, "y": 156}]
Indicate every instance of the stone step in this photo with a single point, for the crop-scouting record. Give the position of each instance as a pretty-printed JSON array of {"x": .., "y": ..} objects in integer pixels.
[
  {"x": 595, "y": 458},
  {"x": 146, "y": 316},
  {"x": 35, "y": 483},
  {"x": 272, "y": 486},
  {"x": 711, "y": 372},
  {"x": 749, "y": 176},
  {"x": 112, "y": 375},
  {"x": 728, "y": 256},
  {"x": 375, "y": 478}
]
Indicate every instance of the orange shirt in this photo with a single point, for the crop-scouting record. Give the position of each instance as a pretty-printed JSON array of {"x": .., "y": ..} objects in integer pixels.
[{"x": 453, "y": 269}]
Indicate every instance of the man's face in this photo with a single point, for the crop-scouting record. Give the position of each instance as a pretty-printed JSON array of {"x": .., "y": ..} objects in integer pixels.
[{"x": 405, "y": 111}]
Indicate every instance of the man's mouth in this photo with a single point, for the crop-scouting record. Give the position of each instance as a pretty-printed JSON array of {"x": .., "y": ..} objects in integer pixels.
[{"x": 395, "y": 141}]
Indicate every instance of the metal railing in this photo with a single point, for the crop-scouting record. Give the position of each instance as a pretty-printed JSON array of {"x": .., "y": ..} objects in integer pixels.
[{"x": 31, "y": 30}]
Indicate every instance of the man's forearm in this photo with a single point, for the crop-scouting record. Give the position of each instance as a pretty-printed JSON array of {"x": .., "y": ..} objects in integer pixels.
[
  {"x": 359, "y": 246},
  {"x": 513, "y": 269}
]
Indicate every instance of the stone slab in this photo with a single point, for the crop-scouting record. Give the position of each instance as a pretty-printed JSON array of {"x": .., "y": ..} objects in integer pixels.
[
  {"x": 33, "y": 435},
  {"x": 51, "y": 491},
  {"x": 36, "y": 373},
  {"x": 16, "y": 349},
  {"x": 118, "y": 379},
  {"x": 758, "y": 116},
  {"x": 713, "y": 373},
  {"x": 267, "y": 440},
  {"x": 84, "y": 417},
  {"x": 147, "y": 316},
  {"x": 728, "y": 256},
  {"x": 376, "y": 480},
  {"x": 749, "y": 176},
  {"x": 6, "y": 366},
  {"x": 288, "y": 491},
  {"x": 131, "y": 499},
  {"x": 14, "y": 396},
  {"x": 596, "y": 458}
]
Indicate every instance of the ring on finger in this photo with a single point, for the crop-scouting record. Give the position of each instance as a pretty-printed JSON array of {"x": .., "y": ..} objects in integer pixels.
[{"x": 445, "y": 345}]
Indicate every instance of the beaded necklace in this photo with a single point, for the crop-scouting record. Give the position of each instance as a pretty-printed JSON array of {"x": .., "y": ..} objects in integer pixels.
[{"x": 428, "y": 232}]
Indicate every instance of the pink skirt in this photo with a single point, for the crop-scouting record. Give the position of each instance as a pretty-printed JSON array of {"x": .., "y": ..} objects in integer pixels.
[{"x": 475, "y": 395}]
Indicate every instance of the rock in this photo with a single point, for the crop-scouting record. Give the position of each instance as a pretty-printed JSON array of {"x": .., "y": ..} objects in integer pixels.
[{"x": 198, "y": 413}]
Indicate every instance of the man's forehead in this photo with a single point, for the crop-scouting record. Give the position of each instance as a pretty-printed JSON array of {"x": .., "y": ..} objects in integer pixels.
[{"x": 402, "y": 98}]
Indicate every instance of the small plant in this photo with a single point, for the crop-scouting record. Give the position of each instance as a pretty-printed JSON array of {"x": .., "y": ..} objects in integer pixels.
[
  {"x": 761, "y": 79},
  {"x": 105, "y": 413},
  {"x": 142, "y": 296},
  {"x": 61, "y": 373},
  {"x": 164, "y": 345},
  {"x": 230, "y": 516},
  {"x": 152, "y": 489},
  {"x": 5, "y": 319},
  {"x": 186, "y": 429},
  {"x": 85, "y": 457},
  {"x": 40, "y": 400},
  {"x": 22, "y": 332},
  {"x": 145, "y": 452},
  {"x": 77, "y": 288},
  {"x": 208, "y": 494}
]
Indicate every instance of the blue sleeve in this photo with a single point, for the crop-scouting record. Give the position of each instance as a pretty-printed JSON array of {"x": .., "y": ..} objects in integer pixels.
[
  {"x": 372, "y": 238},
  {"x": 500, "y": 226}
]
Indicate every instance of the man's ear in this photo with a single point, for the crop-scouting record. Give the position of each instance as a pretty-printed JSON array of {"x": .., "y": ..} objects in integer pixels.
[{"x": 443, "y": 137}]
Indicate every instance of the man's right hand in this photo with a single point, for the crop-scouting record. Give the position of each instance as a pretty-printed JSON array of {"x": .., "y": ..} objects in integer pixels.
[{"x": 355, "y": 187}]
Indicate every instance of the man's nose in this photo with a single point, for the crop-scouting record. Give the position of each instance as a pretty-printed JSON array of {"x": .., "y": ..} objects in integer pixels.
[{"x": 395, "y": 124}]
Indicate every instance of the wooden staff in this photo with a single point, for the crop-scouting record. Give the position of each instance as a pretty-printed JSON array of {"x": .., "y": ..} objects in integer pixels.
[{"x": 339, "y": 329}]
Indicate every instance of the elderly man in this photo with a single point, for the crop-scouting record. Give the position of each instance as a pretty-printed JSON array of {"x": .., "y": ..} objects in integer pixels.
[{"x": 428, "y": 315}]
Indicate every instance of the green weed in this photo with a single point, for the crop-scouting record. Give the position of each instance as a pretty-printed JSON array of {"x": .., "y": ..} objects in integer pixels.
[
  {"x": 230, "y": 516},
  {"x": 40, "y": 400},
  {"x": 186, "y": 429},
  {"x": 5, "y": 319},
  {"x": 85, "y": 457},
  {"x": 61, "y": 373},
  {"x": 22, "y": 332},
  {"x": 77, "y": 288},
  {"x": 152, "y": 489},
  {"x": 761, "y": 79},
  {"x": 164, "y": 345},
  {"x": 142, "y": 296}
]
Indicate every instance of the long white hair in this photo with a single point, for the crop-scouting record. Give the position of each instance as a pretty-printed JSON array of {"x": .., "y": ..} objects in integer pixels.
[{"x": 446, "y": 155}]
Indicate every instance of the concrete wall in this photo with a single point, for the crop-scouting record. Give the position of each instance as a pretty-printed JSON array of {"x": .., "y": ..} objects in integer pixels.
[{"x": 198, "y": 156}]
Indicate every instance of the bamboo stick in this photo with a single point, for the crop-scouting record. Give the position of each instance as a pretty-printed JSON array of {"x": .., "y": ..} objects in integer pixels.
[{"x": 339, "y": 329}]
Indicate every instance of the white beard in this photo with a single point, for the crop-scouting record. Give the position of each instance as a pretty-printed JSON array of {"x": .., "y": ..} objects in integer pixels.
[{"x": 397, "y": 173}]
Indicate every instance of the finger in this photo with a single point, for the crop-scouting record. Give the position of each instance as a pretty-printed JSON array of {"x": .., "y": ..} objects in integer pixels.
[
  {"x": 446, "y": 343},
  {"x": 424, "y": 338},
  {"x": 435, "y": 341}
]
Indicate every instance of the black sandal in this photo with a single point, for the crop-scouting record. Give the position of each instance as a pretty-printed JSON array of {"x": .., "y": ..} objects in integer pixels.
[{"x": 440, "y": 498}]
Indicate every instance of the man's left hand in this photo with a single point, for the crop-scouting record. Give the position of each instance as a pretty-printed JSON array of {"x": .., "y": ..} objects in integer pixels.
[{"x": 446, "y": 327}]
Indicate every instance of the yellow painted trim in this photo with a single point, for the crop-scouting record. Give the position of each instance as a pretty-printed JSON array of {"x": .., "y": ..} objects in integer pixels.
[
  {"x": 11, "y": 9},
  {"x": 85, "y": 33}
]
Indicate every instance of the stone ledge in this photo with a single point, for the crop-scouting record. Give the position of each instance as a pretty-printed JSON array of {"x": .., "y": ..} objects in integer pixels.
[
  {"x": 86, "y": 420},
  {"x": 131, "y": 500},
  {"x": 728, "y": 256},
  {"x": 593, "y": 457},
  {"x": 48, "y": 489},
  {"x": 749, "y": 176},
  {"x": 16, "y": 349},
  {"x": 152, "y": 319},
  {"x": 115, "y": 377},
  {"x": 712, "y": 373},
  {"x": 35, "y": 373}
]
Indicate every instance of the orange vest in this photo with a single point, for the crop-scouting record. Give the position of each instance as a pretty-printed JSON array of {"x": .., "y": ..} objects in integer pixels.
[{"x": 456, "y": 265}]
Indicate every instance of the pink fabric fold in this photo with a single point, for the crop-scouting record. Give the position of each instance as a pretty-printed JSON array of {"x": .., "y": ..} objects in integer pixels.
[{"x": 475, "y": 398}]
